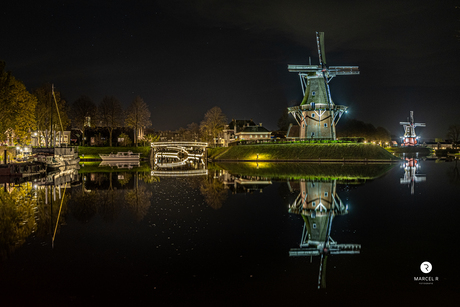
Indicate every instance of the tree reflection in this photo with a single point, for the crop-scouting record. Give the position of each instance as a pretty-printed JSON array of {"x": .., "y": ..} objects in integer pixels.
[
  {"x": 148, "y": 178},
  {"x": 454, "y": 174},
  {"x": 17, "y": 219},
  {"x": 124, "y": 178},
  {"x": 85, "y": 205},
  {"x": 138, "y": 199},
  {"x": 107, "y": 206},
  {"x": 214, "y": 192},
  {"x": 48, "y": 209},
  {"x": 25, "y": 210}
]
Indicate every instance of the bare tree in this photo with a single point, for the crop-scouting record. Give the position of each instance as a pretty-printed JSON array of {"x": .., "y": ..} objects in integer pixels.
[
  {"x": 46, "y": 106},
  {"x": 110, "y": 113},
  {"x": 194, "y": 130},
  {"x": 213, "y": 123},
  {"x": 83, "y": 111},
  {"x": 454, "y": 134},
  {"x": 138, "y": 116}
]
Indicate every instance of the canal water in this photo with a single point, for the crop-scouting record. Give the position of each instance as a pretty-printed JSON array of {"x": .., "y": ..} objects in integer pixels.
[{"x": 226, "y": 237}]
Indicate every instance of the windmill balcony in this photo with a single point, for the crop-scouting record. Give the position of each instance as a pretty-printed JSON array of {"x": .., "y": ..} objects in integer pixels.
[{"x": 318, "y": 107}]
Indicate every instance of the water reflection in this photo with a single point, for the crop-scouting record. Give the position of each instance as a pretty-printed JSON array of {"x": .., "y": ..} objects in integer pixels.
[
  {"x": 174, "y": 212},
  {"x": 411, "y": 168},
  {"x": 120, "y": 164},
  {"x": 318, "y": 203},
  {"x": 101, "y": 192},
  {"x": 242, "y": 184},
  {"x": 32, "y": 207},
  {"x": 316, "y": 199},
  {"x": 454, "y": 173}
]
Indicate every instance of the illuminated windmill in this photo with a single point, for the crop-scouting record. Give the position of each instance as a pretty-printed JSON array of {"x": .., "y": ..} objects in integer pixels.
[
  {"x": 317, "y": 115},
  {"x": 410, "y": 138}
]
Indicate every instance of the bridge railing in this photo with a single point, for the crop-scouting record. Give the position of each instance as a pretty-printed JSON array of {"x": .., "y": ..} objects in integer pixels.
[{"x": 190, "y": 144}]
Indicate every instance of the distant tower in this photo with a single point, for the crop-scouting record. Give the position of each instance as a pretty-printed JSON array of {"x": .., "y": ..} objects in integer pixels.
[
  {"x": 317, "y": 115},
  {"x": 410, "y": 138}
]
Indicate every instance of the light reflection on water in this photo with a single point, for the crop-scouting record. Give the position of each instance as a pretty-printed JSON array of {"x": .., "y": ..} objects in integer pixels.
[{"x": 169, "y": 239}]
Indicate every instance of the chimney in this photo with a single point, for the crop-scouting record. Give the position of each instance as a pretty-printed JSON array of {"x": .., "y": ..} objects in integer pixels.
[{"x": 260, "y": 124}]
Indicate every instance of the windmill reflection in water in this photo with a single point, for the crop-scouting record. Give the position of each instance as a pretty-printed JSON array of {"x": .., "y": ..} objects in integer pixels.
[
  {"x": 318, "y": 203},
  {"x": 411, "y": 166}
]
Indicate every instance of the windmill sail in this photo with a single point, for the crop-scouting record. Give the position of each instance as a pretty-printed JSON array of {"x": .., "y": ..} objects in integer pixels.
[{"x": 321, "y": 49}]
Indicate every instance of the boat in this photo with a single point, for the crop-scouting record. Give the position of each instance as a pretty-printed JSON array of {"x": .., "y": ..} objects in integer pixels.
[
  {"x": 121, "y": 156},
  {"x": 52, "y": 164},
  {"x": 21, "y": 170},
  {"x": 56, "y": 158},
  {"x": 120, "y": 164}
]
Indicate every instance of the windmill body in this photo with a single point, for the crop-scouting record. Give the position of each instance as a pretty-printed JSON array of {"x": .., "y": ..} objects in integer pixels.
[
  {"x": 410, "y": 138},
  {"x": 317, "y": 114}
]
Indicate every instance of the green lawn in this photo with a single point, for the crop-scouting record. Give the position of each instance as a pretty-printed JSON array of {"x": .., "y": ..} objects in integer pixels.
[{"x": 353, "y": 151}]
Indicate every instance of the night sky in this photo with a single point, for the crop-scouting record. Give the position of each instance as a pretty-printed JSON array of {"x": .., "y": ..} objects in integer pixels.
[{"x": 185, "y": 57}]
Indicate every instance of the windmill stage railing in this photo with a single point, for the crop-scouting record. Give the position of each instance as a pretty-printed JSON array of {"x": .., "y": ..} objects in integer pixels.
[{"x": 292, "y": 141}]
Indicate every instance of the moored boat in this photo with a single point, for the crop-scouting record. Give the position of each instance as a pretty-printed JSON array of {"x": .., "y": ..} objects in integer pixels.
[
  {"x": 22, "y": 169},
  {"x": 121, "y": 156}
]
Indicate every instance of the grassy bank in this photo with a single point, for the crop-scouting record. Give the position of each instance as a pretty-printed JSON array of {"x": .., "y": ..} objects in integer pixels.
[
  {"x": 410, "y": 150},
  {"x": 93, "y": 152},
  {"x": 299, "y": 152},
  {"x": 314, "y": 171}
]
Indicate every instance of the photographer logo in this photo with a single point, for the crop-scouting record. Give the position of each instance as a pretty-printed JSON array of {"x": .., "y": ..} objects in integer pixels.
[{"x": 426, "y": 267}]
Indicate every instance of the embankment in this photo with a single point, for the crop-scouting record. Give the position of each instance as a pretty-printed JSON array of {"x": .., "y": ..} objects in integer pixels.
[{"x": 354, "y": 152}]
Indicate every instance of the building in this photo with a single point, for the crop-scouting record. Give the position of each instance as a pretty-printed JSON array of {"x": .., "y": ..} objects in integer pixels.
[{"x": 243, "y": 129}]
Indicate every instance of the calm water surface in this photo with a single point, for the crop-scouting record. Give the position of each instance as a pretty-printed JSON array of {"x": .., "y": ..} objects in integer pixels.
[{"x": 224, "y": 239}]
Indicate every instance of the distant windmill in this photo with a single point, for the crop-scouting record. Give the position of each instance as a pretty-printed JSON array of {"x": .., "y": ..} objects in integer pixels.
[
  {"x": 410, "y": 138},
  {"x": 317, "y": 115}
]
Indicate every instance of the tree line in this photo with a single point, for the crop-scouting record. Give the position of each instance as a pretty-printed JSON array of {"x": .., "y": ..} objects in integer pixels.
[{"x": 23, "y": 112}]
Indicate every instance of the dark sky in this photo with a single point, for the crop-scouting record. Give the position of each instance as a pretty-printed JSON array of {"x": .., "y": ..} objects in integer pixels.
[{"x": 185, "y": 57}]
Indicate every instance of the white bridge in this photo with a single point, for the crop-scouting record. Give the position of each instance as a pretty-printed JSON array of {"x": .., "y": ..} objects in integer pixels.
[{"x": 167, "y": 155}]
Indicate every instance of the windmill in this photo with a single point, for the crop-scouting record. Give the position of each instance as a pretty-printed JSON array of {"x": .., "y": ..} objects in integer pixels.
[
  {"x": 317, "y": 114},
  {"x": 410, "y": 138}
]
